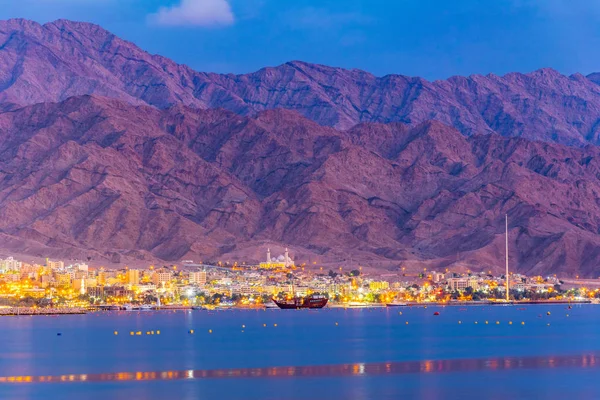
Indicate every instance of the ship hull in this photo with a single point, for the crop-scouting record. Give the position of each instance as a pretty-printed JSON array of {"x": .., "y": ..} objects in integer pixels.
[{"x": 300, "y": 303}]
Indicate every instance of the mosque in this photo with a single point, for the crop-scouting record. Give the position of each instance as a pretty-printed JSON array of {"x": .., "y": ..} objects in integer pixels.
[{"x": 282, "y": 262}]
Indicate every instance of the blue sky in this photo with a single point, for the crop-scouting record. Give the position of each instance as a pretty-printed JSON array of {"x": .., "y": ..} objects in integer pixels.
[{"x": 430, "y": 38}]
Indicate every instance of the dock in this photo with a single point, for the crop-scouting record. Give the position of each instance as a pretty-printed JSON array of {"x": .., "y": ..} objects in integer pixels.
[{"x": 18, "y": 311}]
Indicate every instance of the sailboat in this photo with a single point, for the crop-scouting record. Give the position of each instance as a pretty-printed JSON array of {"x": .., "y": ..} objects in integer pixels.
[
  {"x": 506, "y": 257},
  {"x": 299, "y": 302}
]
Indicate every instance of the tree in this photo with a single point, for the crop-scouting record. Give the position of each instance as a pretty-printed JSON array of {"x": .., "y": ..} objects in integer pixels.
[{"x": 355, "y": 272}]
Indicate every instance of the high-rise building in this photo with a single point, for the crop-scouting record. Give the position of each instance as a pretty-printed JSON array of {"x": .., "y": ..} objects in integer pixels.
[
  {"x": 101, "y": 277},
  {"x": 10, "y": 264},
  {"x": 198, "y": 277},
  {"x": 162, "y": 275},
  {"x": 133, "y": 277},
  {"x": 55, "y": 264}
]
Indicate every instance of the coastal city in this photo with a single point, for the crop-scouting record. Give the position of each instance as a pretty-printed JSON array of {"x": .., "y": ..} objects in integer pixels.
[{"x": 56, "y": 285}]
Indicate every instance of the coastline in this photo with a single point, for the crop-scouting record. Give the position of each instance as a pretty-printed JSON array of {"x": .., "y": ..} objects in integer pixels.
[{"x": 32, "y": 311}]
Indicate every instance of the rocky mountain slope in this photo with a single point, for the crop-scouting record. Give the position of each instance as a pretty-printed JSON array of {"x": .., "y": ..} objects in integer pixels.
[
  {"x": 99, "y": 177},
  {"x": 51, "y": 62}
]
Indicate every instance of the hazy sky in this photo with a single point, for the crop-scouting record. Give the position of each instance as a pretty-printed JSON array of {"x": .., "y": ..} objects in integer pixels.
[{"x": 429, "y": 38}]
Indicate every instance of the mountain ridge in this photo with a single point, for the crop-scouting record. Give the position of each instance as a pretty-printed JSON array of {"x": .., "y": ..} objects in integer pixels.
[
  {"x": 109, "y": 152},
  {"x": 75, "y": 58},
  {"x": 98, "y": 177}
]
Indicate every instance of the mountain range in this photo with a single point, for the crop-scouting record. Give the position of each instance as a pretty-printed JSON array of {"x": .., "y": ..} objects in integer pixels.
[{"x": 114, "y": 154}]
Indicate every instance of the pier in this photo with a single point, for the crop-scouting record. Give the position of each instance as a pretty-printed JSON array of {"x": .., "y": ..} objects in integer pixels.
[{"x": 17, "y": 311}]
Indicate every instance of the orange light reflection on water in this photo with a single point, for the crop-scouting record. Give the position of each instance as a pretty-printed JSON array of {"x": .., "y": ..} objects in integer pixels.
[{"x": 355, "y": 369}]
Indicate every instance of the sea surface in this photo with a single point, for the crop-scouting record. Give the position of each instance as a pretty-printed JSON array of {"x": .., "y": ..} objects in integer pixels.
[{"x": 531, "y": 352}]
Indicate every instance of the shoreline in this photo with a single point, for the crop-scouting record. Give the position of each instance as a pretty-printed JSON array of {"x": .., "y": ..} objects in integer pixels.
[{"x": 31, "y": 311}]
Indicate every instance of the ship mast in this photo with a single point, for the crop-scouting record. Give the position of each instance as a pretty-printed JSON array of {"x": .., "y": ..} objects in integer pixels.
[{"x": 506, "y": 254}]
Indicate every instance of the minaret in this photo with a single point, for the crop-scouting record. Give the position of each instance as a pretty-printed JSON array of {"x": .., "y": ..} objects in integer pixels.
[
  {"x": 287, "y": 258},
  {"x": 82, "y": 288},
  {"x": 268, "y": 256}
]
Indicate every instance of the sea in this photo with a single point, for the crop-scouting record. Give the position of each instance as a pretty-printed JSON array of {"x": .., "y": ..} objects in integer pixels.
[{"x": 484, "y": 352}]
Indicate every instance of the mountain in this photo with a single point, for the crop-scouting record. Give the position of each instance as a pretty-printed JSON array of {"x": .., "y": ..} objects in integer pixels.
[
  {"x": 124, "y": 157},
  {"x": 99, "y": 177},
  {"x": 52, "y": 62}
]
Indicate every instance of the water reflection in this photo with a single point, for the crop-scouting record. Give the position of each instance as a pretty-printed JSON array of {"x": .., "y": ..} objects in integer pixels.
[{"x": 357, "y": 369}]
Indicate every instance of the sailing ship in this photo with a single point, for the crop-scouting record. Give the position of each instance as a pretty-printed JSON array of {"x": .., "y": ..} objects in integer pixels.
[{"x": 298, "y": 302}]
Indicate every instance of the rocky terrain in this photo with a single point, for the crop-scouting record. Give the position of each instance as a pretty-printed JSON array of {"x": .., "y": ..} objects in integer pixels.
[
  {"x": 98, "y": 177},
  {"x": 51, "y": 62},
  {"x": 110, "y": 153}
]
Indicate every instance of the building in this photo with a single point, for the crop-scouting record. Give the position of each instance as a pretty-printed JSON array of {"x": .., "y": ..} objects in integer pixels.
[
  {"x": 161, "y": 276},
  {"x": 10, "y": 264},
  {"x": 132, "y": 277},
  {"x": 438, "y": 276},
  {"x": 198, "y": 278},
  {"x": 82, "y": 267},
  {"x": 376, "y": 286},
  {"x": 63, "y": 279},
  {"x": 461, "y": 284},
  {"x": 281, "y": 262},
  {"x": 102, "y": 277},
  {"x": 55, "y": 264}
]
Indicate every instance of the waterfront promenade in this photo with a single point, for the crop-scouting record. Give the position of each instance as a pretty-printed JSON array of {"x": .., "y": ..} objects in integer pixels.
[{"x": 14, "y": 311}]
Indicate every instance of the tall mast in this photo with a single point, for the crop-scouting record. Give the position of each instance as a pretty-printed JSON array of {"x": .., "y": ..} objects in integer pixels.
[{"x": 506, "y": 249}]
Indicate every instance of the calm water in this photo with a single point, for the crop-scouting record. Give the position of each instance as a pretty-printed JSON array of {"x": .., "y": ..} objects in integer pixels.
[{"x": 370, "y": 353}]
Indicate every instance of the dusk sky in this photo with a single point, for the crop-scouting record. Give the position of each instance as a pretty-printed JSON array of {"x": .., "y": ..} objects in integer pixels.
[{"x": 430, "y": 38}]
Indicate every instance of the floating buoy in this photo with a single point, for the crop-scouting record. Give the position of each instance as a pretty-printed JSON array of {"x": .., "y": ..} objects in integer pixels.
[
  {"x": 132, "y": 333},
  {"x": 336, "y": 324},
  {"x": 497, "y": 322},
  {"x": 548, "y": 324},
  {"x": 265, "y": 325},
  {"x": 210, "y": 331},
  {"x": 567, "y": 315},
  {"x": 275, "y": 325},
  {"x": 510, "y": 322},
  {"x": 548, "y": 313},
  {"x": 191, "y": 331},
  {"x": 523, "y": 323},
  {"x": 476, "y": 322},
  {"x": 400, "y": 313},
  {"x": 486, "y": 322},
  {"x": 138, "y": 333},
  {"x": 406, "y": 322},
  {"x": 59, "y": 334},
  {"x": 116, "y": 333},
  {"x": 158, "y": 332},
  {"x": 459, "y": 322},
  {"x": 436, "y": 313}
]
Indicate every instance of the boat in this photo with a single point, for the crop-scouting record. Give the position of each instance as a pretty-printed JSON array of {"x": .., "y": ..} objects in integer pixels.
[
  {"x": 396, "y": 304},
  {"x": 199, "y": 308},
  {"x": 146, "y": 307},
  {"x": 296, "y": 303}
]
